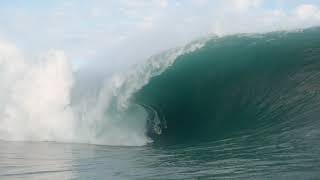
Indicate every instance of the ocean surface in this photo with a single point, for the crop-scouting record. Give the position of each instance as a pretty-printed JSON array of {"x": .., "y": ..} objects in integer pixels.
[
  {"x": 232, "y": 158},
  {"x": 244, "y": 106}
]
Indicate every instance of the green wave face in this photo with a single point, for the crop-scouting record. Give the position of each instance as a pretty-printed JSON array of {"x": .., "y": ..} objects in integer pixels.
[{"x": 257, "y": 85}]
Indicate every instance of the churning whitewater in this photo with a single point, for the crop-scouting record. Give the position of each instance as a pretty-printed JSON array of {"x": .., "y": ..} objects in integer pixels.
[{"x": 253, "y": 85}]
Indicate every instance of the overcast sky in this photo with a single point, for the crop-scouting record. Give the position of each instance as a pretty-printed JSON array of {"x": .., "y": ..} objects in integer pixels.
[{"x": 122, "y": 31}]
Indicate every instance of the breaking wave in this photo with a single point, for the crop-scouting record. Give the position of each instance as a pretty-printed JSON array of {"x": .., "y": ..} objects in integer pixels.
[{"x": 213, "y": 88}]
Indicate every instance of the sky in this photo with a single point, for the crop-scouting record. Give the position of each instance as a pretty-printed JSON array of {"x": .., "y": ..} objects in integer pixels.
[{"x": 122, "y": 32}]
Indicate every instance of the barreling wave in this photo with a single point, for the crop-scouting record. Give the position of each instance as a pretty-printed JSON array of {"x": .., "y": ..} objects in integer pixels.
[
  {"x": 41, "y": 100},
  {"x": 253, "y": 84},
  {"x": 213, "y": 88},
  {"x": 109, "y": 116}
]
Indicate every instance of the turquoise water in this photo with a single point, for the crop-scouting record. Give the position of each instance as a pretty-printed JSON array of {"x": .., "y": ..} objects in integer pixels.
[{"x": 238, "y": 107}]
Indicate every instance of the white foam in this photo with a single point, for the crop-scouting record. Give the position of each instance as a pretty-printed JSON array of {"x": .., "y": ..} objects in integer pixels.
[{"x": 34, "y": 97}]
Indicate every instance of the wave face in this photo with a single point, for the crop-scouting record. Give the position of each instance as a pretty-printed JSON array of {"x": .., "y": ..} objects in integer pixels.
[{"x": 260, "y": 85}]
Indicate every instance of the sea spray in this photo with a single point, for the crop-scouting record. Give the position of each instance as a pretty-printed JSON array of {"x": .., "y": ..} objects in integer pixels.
[{"x": 34, "y": 96}]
